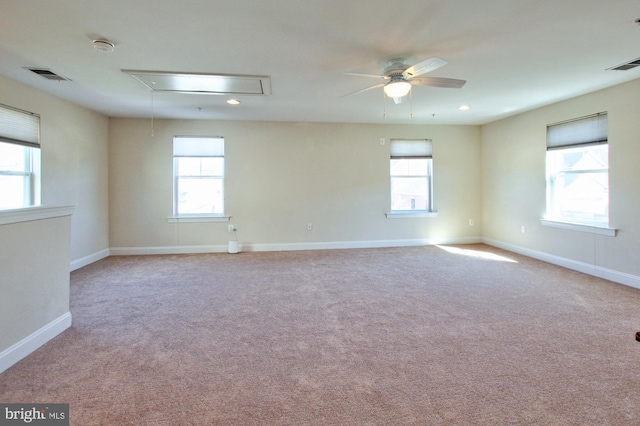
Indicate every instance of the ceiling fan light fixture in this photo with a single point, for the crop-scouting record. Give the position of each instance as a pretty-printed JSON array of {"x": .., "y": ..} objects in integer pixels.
[{"x": 397, "y": 89}]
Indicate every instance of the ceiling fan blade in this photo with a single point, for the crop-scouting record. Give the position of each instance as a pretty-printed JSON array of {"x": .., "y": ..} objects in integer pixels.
[
  {"x": 449, "y": 83},
  {"x": 424, "y": 67},
  {"x": 357, "y": 74},
  {"x": 365, "y": 89}
]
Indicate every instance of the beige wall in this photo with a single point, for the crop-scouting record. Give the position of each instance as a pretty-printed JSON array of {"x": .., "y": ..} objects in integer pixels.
[
  {"x": 74, "y": 162},
  {"x": 513, "y": 179},
  {"x": 35, "y": 256},
  {"x": 34, "y": 283},
  {"x": 281, "y": 176}
]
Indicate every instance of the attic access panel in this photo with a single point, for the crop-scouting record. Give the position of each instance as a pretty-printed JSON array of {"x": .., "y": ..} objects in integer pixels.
[{"x": 213, "y": 84}]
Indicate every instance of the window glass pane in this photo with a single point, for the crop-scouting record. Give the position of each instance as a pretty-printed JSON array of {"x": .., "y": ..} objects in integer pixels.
[
  {"x": 408, "y": 193},
  {"x": 580, "y": 158},
  {"x": 212, "y": 166},
  {"x": 409, "y": 167},
  {"x": 12, "y": 192},
  {"x": 200, "y": 196},
  {"x": 188, "y": 166},
  {"x": 204, "y": 166},
  {"x": 418, "y": 167},
  {"x": 578, "y": 184},
  {"x": 15, "y": 176},
  {"x": 399, "y": 167},
  {"x": 582, "y": 196},
  {"x": 12, "y": 157}
]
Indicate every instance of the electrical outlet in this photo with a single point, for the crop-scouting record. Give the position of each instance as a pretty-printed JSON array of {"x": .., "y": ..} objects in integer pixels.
[
  {"x": 231, "y": 228},
  {"x": 381, "y": 141},
  {"x": 523, "y": 229},
  {"x": 309, "y": 227},
  {"x": 471, "y": 222}
]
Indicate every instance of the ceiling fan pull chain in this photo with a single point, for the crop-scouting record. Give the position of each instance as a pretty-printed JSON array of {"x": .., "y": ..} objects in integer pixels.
[
  {"x": 410, "y": 105},
  {"x": 152, "y": 113},
  {"x": 384, "y": 106}
]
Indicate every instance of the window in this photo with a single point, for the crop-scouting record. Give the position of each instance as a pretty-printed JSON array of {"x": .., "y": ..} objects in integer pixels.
[
  {"x": 411, "y": 171},
  {"x": 578, "y": 171},
  {"x": 198, "y": 172},
  {"x": 19, "y": 158}
]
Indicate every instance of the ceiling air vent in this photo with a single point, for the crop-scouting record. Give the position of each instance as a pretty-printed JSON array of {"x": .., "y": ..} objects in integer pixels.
[
  {"x": 48, "y": 74},
  {"x": 626, "y": 66}
]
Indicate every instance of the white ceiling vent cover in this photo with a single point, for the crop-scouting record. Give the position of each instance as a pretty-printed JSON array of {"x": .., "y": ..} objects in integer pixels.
[
  {"x": 626, "y": 66},
  {"x": 48, "y": 74},
  {"x": 208, "y": 84}
]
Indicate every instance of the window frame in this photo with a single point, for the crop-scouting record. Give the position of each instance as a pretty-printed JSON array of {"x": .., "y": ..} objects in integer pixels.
[
  {"x": 21, "y": 128},
  {"x": 197, "y": 217},
  {"x": 580, "y": 133},
  {"x": 412, "y": 149}
]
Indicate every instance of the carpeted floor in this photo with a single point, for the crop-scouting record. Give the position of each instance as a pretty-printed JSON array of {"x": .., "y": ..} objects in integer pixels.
[{"x": 468, "y": 335}]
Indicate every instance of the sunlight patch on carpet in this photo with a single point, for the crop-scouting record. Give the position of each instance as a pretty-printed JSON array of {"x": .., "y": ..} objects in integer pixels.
[{"x": 476, "y": 253}]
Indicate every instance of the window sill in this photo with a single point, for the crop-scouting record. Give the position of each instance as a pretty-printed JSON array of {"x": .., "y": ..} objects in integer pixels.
[
  {"x": 410, "y": 214},
  {"x": 197, "y": 219},
  {"x": 600, "y": 230}
]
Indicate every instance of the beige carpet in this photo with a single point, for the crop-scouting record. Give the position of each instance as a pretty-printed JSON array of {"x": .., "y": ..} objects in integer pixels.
[{"x": 400, "y": 336}]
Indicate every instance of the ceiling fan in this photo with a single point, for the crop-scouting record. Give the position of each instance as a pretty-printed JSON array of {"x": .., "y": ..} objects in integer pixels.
[{"x": 399, "y": 77}]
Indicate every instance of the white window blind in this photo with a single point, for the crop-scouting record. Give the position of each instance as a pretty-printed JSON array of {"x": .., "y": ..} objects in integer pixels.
[
  {"x": 193, "y": 146},
  {"x": 410, "y": 148},
  {"x": 19, "y": 127},
  {"x": 589, "y": 130}
]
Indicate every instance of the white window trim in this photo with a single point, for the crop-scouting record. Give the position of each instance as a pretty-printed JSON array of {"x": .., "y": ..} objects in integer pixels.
[
  {"x": 410, "y": 214},
  {"x": 197, "y": 219},
  {"x": 591, "y": 229}
]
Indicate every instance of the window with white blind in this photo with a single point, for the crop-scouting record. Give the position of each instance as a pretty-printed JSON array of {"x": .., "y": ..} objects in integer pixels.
[
  {"x": 198, "y": 176},
  {"x": 19, "y": 158},
  {"x": 411, "y": 174},
  {"x": 578, "y": 171}
]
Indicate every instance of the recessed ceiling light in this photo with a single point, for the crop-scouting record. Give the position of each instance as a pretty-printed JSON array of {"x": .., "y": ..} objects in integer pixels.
[
  {"x": 233, "y": 102},
  {"x": 464, "y": 107}
]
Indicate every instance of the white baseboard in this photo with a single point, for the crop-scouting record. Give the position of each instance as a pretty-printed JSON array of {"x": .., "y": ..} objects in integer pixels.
[
  {"x": 586, "y": 268},
  {"x": 84, "y": 261},
  {"x": 29, "y": 344},
  {"x": 319, "y": 245},
  {"x": 128, "y": 251},
  {"x": 328, "y": 245}
]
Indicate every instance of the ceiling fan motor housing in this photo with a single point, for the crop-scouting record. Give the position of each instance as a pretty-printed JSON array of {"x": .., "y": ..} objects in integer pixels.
[{"x": 395, "y": 67}]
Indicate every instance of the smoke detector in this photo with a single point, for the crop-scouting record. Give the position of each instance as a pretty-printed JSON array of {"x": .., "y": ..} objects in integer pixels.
[{"x": 103, "y": 45}]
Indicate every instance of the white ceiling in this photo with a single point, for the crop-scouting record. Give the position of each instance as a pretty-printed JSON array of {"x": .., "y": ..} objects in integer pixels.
[{"x": 516, "y": 55}]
